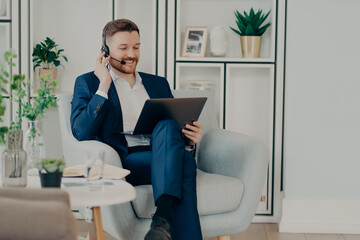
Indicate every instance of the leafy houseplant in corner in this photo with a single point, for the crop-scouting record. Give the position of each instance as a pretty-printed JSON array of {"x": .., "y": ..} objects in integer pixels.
[
  {"x": 46, "y": 56},
  {"x": 14, "y": 167},
  {"x": 33, "y": 141},
  {"x": 50, "y": 171},
  {"x": 251, "y": 31}
]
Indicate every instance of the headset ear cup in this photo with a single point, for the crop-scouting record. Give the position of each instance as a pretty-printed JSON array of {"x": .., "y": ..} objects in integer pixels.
[{"x": 105, "y": 49}]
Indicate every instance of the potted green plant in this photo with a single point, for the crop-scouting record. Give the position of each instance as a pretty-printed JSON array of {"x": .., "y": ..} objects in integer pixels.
[
  {"x": 250, "y": 30},
  {"x": 47, "y": 57},
  {"x": 50, "y": 171}
]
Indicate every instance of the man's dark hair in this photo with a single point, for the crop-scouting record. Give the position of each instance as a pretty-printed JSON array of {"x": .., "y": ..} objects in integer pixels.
[{"x": 120, "y": 25}]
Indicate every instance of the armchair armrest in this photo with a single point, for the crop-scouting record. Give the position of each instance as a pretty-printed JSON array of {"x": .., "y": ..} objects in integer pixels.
[
  {"x": 78, "y": 153},
  {"x": 236, "y": 155},
  {"x": 231, "y": 154}
]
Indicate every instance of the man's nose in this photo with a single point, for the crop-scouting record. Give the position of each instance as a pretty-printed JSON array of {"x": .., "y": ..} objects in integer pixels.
[{"x": 130, "y": 53}]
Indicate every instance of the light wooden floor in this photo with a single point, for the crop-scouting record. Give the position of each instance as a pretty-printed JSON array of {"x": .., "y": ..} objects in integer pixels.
[{"x": 256, "y": 231}]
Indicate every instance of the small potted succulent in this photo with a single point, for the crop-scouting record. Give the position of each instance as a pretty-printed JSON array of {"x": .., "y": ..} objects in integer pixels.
[
  {"x": 250, "y": 31},
  {"x": 47, "y": 57},
  {"x": 50, "y": 172}
]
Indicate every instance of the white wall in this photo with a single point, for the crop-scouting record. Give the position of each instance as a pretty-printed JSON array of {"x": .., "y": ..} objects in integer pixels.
[
  {"x": 322, "y": 121},
  {"x": 77, "y": 27},
  {"x": 322, "y": 114}
]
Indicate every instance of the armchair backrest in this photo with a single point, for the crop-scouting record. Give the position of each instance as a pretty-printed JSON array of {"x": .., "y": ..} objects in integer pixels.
[{"x": 68, "y": 139}]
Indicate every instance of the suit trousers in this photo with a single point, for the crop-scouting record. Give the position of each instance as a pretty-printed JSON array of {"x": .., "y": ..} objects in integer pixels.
[{"x": 171, "y": 170}]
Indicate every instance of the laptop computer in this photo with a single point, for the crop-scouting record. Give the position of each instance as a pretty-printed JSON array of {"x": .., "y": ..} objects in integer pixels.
[{"x": 182, "y": 110}]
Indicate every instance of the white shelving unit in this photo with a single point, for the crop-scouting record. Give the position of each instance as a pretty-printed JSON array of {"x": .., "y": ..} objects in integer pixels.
[
  {"x": 249, "y": 110},
  {"x": 225, "y": 60},
  {"x": 247, "y": 91}
]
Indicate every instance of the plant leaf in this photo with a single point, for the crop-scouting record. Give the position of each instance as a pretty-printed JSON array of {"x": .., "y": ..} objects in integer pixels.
[
  {"x": 249, "y": 31},
  {"x": 236, "y": 31},
  {"x": 263, "y": 29}
]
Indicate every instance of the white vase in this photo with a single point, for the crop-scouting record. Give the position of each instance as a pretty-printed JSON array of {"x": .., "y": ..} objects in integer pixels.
[
  {"x": 2, "y": 8},
  {"x": 34, "y": 145},
  {"x": 218, "y": 42}
]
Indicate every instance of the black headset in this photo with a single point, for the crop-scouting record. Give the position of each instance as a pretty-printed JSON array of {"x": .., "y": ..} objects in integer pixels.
[{"x": 105, "y": 47}]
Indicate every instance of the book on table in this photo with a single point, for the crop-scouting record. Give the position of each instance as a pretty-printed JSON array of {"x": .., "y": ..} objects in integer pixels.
[{"x": 109, "y": 172}]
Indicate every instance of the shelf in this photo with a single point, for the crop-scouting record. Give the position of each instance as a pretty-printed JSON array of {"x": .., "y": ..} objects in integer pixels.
[
  {"x": 212, "y": 73},
  {"x": 188, "y": 15},
  {"x": 225, "y": 60}
]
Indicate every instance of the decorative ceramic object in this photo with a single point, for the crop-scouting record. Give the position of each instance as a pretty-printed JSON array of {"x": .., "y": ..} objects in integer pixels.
[
  {"x": 2, "y": 8},
  {"x": 218, "y": 42}
]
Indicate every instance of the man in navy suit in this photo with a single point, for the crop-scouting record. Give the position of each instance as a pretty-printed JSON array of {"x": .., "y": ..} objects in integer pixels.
[{"x": 108, "y": 102}]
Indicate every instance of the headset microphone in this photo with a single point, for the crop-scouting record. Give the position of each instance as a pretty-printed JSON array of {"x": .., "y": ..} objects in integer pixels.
[
  {"x": 122, "y": 62},
  {"x": 106, "y": 49}
]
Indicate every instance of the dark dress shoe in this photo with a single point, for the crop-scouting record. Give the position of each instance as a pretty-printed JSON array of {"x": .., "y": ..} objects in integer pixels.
[{"x": 159, "y": 229}]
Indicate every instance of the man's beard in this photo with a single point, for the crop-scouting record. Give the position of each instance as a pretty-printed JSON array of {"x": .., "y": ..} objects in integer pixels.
[{"x": 122, "y": 67}]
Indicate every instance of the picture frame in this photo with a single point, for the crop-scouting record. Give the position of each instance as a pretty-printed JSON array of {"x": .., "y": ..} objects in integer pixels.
[{"x": 195, "y": 41}]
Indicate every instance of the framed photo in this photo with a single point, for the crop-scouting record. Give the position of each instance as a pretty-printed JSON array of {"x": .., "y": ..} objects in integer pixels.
[{"x": 195, "y": 42}]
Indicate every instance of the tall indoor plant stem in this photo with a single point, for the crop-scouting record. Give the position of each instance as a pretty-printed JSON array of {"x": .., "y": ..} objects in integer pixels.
[{"x": 34, "y": 144}]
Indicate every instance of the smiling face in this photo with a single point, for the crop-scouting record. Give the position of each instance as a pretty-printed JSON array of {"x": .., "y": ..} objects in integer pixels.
[{"x": 124, "y": 46}]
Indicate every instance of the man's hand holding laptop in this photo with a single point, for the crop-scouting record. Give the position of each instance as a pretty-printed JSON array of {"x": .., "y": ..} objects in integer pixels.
[{"x": 193, "y": 133}]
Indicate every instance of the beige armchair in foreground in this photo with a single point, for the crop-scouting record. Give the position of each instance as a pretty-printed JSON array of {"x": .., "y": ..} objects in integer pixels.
[{"x": 36, "y": 214}]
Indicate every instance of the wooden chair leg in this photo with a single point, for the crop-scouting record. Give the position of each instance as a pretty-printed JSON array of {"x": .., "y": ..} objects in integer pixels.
[{"x": 224, "y": 237}]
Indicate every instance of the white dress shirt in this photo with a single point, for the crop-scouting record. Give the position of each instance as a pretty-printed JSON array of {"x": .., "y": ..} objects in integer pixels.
[{"x": 132, "y": 101}]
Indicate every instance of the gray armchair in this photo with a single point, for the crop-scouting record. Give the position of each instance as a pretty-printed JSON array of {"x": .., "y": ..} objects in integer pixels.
[{"x": 231, "y": 175}]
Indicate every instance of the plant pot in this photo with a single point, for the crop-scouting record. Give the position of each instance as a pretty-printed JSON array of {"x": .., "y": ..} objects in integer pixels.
[
  {"x": 46, "y": 71},
  {"x": 250, "y": 46},
  {"x": 50, "y": 179}
]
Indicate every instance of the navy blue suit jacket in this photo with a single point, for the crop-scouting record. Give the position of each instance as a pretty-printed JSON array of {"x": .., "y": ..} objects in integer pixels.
[{"x": 94, "y": 117}]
